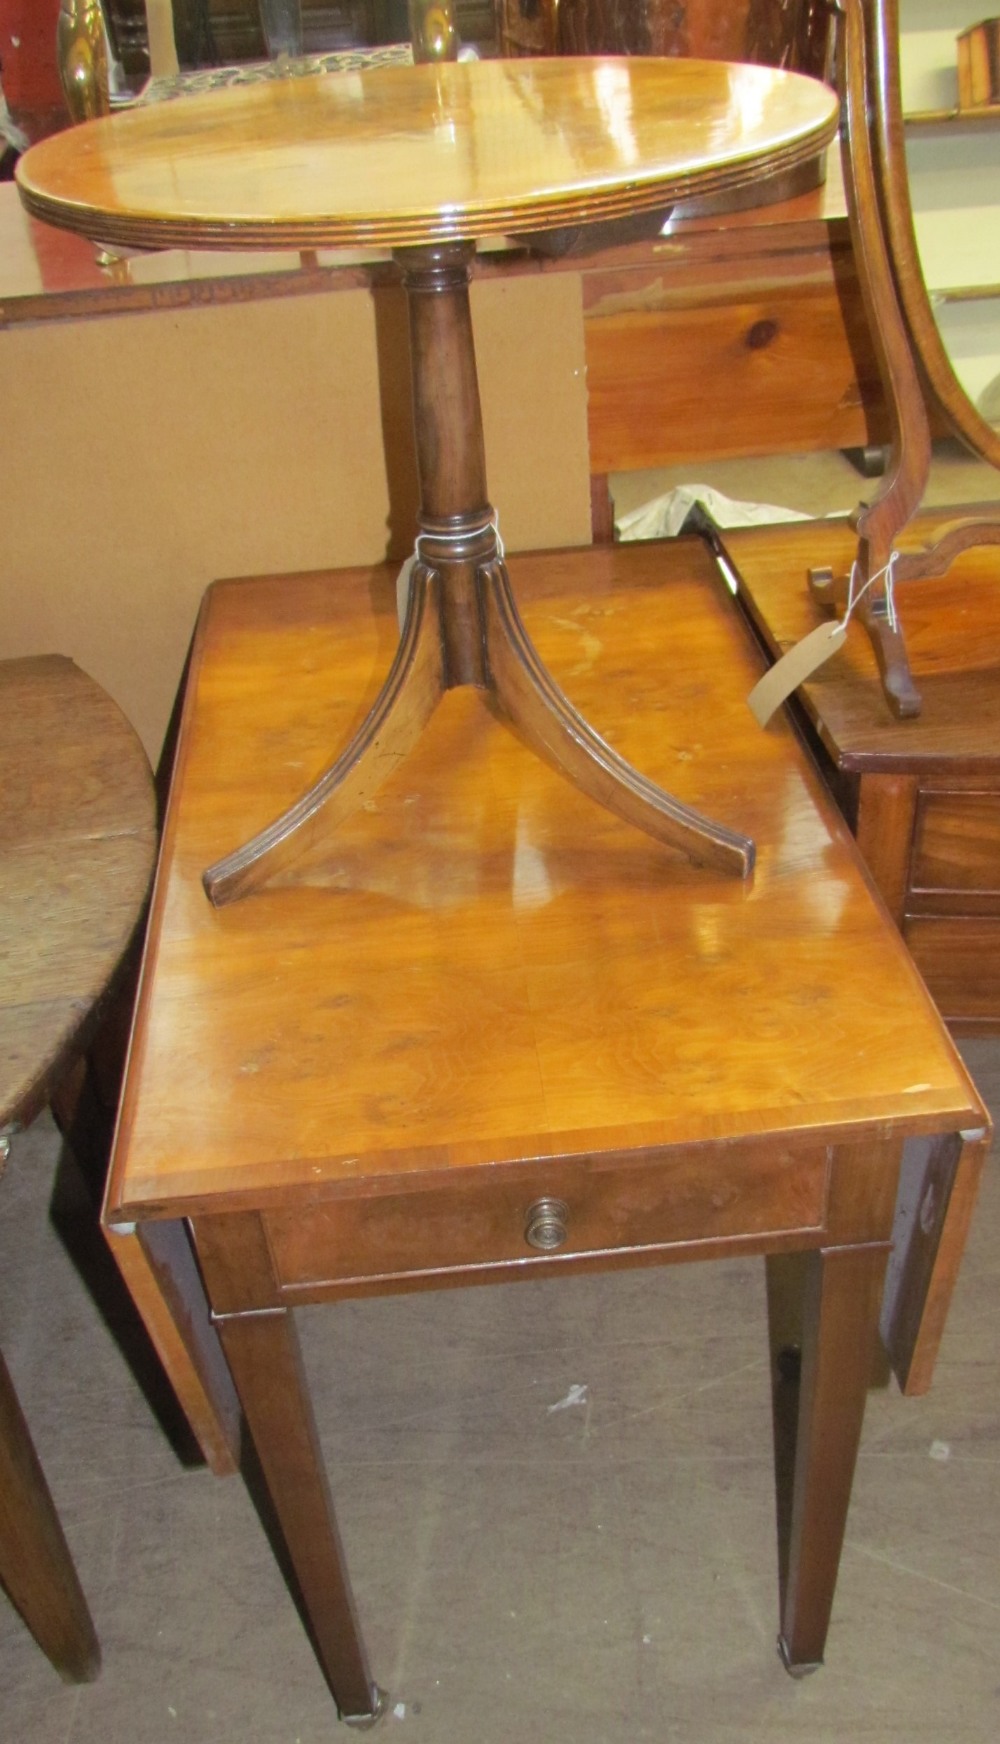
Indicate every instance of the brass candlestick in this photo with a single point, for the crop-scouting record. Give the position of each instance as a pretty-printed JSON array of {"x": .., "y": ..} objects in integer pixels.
[{"x": 84, "y": 56}]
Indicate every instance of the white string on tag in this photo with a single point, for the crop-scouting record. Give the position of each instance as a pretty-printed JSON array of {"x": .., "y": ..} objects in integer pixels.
[
  {"x": 806, "y": 656},
  {"x": 417, "y": 556},
  {"x": 853, "y": 599}
]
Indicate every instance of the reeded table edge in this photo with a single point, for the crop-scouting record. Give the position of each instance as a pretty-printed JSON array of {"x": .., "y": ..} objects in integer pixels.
[{"x": 587, "y": 204}]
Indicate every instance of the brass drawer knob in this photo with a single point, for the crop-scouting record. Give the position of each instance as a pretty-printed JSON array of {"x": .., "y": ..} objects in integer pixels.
[{"x": 545, "y": 1224}]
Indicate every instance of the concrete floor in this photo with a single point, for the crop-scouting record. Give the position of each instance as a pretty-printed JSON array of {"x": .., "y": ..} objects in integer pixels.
[
  {"x": 528, "y": 1569},
  {"x": 526, "y": 1573}
]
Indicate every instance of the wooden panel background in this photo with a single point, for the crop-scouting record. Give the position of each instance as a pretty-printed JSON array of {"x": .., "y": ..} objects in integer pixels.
[{"x": 729, "y": 345}]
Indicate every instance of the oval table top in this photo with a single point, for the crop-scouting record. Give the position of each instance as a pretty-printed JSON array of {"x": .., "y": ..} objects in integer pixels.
[
  {"x": 76, "y": 859},
  {"x": 390, "y": 156}
]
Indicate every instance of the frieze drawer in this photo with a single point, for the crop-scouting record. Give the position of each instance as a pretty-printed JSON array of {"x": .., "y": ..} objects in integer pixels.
[{"x": 518, "y": 1215}]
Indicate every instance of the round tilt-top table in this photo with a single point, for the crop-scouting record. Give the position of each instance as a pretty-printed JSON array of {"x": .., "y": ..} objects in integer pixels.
[{"x": 427, "y": 160}]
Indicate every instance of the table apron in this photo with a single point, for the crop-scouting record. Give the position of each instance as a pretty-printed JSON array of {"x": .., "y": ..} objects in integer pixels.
[
  {"x": 555, "y": 1265},
  {"x": 591, "y": 1207}
]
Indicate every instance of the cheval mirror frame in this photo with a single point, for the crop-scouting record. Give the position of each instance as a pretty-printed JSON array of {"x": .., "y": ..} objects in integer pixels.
[{"x": 914, "y": 367}]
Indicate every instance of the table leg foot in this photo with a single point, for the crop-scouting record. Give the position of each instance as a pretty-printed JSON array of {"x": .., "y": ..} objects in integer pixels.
[
  {"x": 834, "y": 1295},
  {"x": 794, "y": 1669},
  {"x": 263, "y": 1354},
  {"x": 391, "y": 729},
  {"x": 530, "y": 696},
  {"x": 365, "y": 1722},
  {"x": 282, "y": 1458}
]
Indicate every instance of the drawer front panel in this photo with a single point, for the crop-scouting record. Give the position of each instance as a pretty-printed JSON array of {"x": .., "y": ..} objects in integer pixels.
[
  {"x": 959, "y": 958},
  {"x": 957, "y": 844},
  {"x": 601, "y": 1206}
]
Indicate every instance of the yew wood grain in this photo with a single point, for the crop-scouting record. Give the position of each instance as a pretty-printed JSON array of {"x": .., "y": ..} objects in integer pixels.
[
  {"x": 461, "y": 623},
  {"x": 482, "y": 994},
  {"x": 480, "y": 968},
  {"x": 705, "y": 1197},
  {"x": 412, "y": 155}
]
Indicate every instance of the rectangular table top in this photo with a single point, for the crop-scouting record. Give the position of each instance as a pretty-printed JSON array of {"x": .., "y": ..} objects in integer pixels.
[
  {"x": 952, "y": 631},
  {"x": 486, "y": 967}
]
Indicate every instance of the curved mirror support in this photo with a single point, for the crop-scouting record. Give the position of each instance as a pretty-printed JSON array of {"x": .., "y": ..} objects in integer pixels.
[
  {"x": 914, "y": 248},
  {"x": 912, "y": 362}
]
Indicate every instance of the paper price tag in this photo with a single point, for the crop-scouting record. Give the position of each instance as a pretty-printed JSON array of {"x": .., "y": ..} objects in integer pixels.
[{"x": 794, "y": 667}]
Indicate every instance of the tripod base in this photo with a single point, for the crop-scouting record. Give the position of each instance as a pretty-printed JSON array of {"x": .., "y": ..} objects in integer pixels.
[{"x": 512, "y": 671}]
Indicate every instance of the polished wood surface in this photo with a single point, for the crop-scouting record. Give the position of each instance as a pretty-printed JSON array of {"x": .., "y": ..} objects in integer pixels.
[
  {"x": 420, "y": 154},
  {"x": 76, "y": 858},
  {"x": 462, "y": 626},
  {"x": 497, "y": 1034},
  {"x": 924, "y": 796},
  {"x": 953, "y": 636},
  {"x": 50, "y": 274},
  {"x": 569, "y": 936},
  {"x": 465, "y": 150}
]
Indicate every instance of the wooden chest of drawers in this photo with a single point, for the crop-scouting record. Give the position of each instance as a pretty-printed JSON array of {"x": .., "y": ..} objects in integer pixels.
[
  {"x": 952, "y": 916},
  {"x": 922, "y": 796}
]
